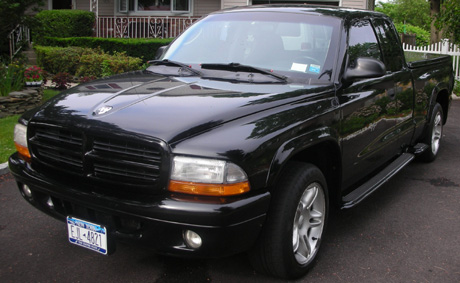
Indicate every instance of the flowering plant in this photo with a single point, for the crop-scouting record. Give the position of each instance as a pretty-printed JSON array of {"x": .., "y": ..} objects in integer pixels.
[{"x": 33, "y": 74}]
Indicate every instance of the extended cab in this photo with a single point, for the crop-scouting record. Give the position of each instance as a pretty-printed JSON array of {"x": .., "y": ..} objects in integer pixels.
[{"x": 239, "y": 137}]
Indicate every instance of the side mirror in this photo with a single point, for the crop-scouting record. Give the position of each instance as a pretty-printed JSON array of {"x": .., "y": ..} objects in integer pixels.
[
  {"x": 365, "y": 68},
  {"x": 160, "y": 52}
]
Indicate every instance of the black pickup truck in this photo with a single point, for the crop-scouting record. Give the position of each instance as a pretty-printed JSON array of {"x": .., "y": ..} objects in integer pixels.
[{"x": 241, "y": 136}]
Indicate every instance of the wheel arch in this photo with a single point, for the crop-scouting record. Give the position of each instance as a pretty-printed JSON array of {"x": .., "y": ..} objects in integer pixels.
[
  {"x": 441, "y": 95},
  {"x": 322, "y": 151}
]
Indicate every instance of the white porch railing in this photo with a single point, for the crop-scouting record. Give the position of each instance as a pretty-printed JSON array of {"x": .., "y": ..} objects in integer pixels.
[
  {"x": 443, "y": 47},
  {"x": 17, "y": 37},
  {"x": 142, "y": 27}
]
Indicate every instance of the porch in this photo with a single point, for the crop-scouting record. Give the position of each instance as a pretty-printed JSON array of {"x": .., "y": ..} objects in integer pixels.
[{"x": 142, "y": 26}]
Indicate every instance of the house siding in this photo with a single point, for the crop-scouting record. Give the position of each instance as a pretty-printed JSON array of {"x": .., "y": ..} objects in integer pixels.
[
  {"x": 106, "y": 7},
  {"x": 82, "y": 5},
  {"x": 204, "y": 7},
  {"x": 233, "y": 3},
  {"x": 359, "y": 4}
]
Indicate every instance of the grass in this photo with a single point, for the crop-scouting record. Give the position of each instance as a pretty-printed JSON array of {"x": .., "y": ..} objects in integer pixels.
[
  {"x": 7, "y": 129},
  {"x": 6, "y": 137},
  {"x": 49, "y": 93}
]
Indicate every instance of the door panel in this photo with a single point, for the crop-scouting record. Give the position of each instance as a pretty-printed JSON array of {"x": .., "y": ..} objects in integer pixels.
[{"x": 369, "y": 132}]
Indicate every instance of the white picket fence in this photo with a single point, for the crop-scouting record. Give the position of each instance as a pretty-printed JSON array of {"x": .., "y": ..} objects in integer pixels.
[{"x": 443, "y": 47}]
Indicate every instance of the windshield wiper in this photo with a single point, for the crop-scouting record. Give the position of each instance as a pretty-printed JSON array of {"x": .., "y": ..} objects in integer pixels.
[
  {"x": 235, "y": 67},
  {"x": 166, "y": 62},
  {"x": 327, "y": 72}
]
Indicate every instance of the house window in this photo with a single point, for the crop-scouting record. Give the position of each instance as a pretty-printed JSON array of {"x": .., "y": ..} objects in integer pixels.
[
  {"x": 315, "y": 2},
  {"x": 154, "y": 5}
]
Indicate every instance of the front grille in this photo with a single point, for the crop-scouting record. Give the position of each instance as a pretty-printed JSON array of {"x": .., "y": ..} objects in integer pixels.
[
  {"x": 104, "y": 161},
  {"x": 125, "y": 161},
  {"x": 59, "y": 147}
]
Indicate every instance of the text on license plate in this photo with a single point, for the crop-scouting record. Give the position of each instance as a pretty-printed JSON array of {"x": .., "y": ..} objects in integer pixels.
[{"x": 88, "y": 235}]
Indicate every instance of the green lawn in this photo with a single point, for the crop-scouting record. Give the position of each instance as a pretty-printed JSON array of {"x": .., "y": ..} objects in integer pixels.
[
  {"x": 7, "y": 129},
  {"x": 6, "y": 137}
]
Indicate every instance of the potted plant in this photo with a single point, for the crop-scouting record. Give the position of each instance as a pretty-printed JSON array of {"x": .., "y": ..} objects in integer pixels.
[{"x": 33, "y": 76}]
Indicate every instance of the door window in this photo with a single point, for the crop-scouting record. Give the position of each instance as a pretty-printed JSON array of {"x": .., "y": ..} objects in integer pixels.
[
  {"x": 390, "y": 45},
  {"x": 362, "y": 42}
]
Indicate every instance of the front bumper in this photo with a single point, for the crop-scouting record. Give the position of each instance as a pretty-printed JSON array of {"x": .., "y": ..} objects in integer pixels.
[{"x": 226, "y": 225}]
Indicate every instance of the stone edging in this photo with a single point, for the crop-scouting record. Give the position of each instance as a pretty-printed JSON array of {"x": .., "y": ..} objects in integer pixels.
[
  {"x": 18, "y": 102},
  {"x": 4, "y": 168}
]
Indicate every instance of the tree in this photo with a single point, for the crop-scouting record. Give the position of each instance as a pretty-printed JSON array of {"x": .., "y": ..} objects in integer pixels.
[
  {"x": 413, "y": 12},
  {"x": 435, "y": 8},
  {"x": 12, "y": 13},
  {"x": 448, "y": 19}
]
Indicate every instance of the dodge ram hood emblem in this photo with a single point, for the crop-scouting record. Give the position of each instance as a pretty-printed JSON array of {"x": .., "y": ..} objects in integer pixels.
[{"x": 102, "y": 110}]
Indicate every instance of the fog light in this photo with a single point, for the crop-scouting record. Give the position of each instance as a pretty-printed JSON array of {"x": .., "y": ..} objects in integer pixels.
[
  {"x": 192, "y": 239},
  {"x": 50, "y": 203},
  {"x": 27, "y": 191}
]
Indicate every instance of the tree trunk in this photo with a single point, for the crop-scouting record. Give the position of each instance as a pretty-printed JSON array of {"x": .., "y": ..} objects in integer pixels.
[{"x": 436, "y": 35}]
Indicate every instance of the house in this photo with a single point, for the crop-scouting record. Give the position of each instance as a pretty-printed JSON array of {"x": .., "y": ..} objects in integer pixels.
[{"x": 166, "y": 18}]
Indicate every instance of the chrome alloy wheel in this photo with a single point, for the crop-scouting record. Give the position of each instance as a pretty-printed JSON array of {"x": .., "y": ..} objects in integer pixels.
[
  {"x": 436, "y": 133},
  {"x": 308, "y": 223}
]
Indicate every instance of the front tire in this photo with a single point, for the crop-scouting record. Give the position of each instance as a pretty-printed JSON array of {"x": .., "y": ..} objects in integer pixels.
[{"x": 291, "y": 236}]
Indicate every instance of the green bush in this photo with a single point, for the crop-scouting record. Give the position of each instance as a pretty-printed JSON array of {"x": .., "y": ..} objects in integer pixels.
[
  {"x": 60, "y": 60},
  {"x": 422, "y": 36},
  {"x": 103, "y": 64},
  {"x": 65, "y": 23},
  {"x": 84, "y": 61},
  {"x": 144, "y": 48},
  {"x": 456, "y": 89}
]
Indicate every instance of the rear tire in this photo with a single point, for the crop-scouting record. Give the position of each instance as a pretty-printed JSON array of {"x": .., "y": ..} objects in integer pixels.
[
  {"x": 434, "y": 135},
  {"x": 291, "y": 236}
]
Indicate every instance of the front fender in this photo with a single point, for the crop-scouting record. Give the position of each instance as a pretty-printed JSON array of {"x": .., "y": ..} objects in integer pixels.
[{"x": 315, "y": 140}]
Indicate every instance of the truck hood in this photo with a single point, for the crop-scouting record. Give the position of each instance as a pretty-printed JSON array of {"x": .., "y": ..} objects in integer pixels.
[{"x": 168, "y": 108}]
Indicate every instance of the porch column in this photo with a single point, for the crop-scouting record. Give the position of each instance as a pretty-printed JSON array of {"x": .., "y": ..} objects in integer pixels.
[{"x": 94, "y": 7}]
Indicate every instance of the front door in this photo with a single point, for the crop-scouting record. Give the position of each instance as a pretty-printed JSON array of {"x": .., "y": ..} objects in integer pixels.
[{"x": 369, "y": 112}]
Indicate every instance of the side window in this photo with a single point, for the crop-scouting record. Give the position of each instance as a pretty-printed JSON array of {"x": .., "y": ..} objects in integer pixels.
[
  {"x": 389, "y": 42},
  {"x": 362, "y": 42}
]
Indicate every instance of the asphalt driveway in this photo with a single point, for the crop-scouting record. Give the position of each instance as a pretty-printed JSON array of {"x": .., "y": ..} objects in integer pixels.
[{"x": 408, "y": 231}]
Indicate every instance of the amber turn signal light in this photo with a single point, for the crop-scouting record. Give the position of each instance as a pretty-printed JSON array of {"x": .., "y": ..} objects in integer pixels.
[
  {"x": 208, "y": 189},
  {"x": 23, "y": 151}
]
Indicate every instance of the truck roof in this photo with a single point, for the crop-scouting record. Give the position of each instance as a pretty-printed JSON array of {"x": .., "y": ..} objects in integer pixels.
[{"x": 339, "y": 12}]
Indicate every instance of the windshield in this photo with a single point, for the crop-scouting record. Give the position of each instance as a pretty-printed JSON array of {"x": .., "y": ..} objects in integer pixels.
[{"x": 292, "y": 44}]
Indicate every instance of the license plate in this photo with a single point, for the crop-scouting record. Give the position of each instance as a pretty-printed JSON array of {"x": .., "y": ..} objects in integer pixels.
[{"x": 88, "y": 235}]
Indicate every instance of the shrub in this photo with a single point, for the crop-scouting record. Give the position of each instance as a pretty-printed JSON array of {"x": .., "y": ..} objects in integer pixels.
[
  {"x": 62, "y": 80},
  {"x": 102, "y": 64},
  {"x": 87, "y": 79},
  {"x": 456, "y": 89},
  {"x": 144, "y": 48},
  {"x": 84, "y": 61},
  {"x": 65, "y": 23},
  {"x": 422, "y": 36},
  {"x": 56, "y": 60}
]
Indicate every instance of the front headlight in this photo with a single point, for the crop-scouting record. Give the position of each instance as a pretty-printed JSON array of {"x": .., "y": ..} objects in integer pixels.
[
  {"x": 210, "y": 177},
  {"x": 20, "y": 140}
]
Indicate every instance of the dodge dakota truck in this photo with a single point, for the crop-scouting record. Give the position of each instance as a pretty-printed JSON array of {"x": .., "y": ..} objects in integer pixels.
[{"x": 239, "y": 137}]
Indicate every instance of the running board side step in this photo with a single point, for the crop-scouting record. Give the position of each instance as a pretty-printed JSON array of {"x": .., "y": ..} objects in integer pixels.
[{"x": 362, "y": 192}]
